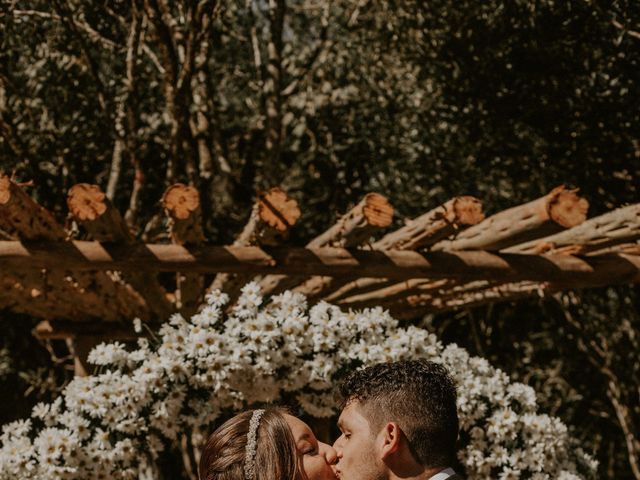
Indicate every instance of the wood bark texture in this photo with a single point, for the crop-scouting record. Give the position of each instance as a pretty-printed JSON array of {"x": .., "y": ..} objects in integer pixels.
[
  {"x": 91, "y": 208},
  {"x": 617, "y": 227},
  {"x": 273, "y": 214},
  {"x": 96, "y": 293},
  {"x": 504, "y": 293},
  {"x": 463, "y": 265},
  {"x": 352, "y": 229},
  {"x": 559, "y": 209},
  {"x": 182, "y": 205},
  {"x": 420, "y": 232}
]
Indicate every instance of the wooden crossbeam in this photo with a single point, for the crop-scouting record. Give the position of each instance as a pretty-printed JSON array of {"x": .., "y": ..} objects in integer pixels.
[
  {"x": 95, "y": 294},
  {"x": 597, "y": 270},
  {"x": 613, "y": 228},
  {"x": 473, "y": 298},
  {"x": 423, "y": 231},
  {"x": 372, "y": 213}
]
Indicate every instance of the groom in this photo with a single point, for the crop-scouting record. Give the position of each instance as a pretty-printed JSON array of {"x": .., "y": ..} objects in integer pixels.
[{"x": 399, "y": 421}]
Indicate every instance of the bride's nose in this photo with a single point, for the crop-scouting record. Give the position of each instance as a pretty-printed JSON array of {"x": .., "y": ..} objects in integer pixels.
[{"x": 329, "y": 453}]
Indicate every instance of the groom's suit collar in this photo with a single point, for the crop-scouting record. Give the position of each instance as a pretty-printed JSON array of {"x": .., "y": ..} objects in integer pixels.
[{"x": 446, "y": 474}]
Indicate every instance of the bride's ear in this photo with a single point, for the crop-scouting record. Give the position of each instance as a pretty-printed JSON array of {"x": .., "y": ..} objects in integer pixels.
[{"x": 390, "y": 440}]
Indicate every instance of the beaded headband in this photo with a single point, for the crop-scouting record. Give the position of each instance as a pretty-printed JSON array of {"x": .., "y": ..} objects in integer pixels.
[{"x": 250, "y": 449}]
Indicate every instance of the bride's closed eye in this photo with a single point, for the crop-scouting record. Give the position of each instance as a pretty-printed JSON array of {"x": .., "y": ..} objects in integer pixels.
[{"x": 309, "y": 449}]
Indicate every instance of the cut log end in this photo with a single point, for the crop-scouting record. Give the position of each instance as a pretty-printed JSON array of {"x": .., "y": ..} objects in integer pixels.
[
  {"x": 278, "y": 210},
  {"x": 467, "y": 210},
  {"x": 566, "y": 208},
  {"x": 377, "y": 210},
  {"x": 181, "y": 201},
  {"x": 5, "y": 189},
  {"x": 86, "y": 202}
]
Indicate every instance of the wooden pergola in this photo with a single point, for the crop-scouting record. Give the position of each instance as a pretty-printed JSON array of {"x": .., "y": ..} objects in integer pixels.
[{"x": 91, "y": 287}]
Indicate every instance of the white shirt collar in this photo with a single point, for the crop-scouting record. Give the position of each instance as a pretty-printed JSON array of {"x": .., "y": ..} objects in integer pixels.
[{"x": 444, "y": 474}]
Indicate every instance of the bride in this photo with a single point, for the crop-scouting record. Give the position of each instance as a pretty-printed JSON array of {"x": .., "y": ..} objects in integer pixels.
[{"x": 266, "y": 444}]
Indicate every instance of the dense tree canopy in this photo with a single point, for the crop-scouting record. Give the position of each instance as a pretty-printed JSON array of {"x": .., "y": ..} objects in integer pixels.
[{"x": 330, "y": 99}]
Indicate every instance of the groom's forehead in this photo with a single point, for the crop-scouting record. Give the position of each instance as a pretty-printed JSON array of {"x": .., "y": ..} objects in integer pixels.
[{"x": 351, "y": 414}]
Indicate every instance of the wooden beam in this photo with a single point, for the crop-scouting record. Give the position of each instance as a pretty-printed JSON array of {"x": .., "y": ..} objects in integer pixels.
[
  {"x": 559, "y": 209},
  {"x": 103, "y": 331},
  {"x": 91, "y": 208},
  {"x": 433, "y": 226},
  {"x": 421, "y": 232},
  {"x": 390, "y": 295},
  {"x": 483, "y": 296},
  {"x": 28, "y": 291},
  {"x": 609, "y": 233},
  {"x": 23, "y": 218},
  {"x": 467, "y": 266},
  {"x": 372, "y": 213},
  {"x": 96, "y": 293},
  {"x": 273, "y": 214},
  {"x": 182, "y": 205},
  {"x": 356, "y": 226},
  {"x": 617, "y": 227}
]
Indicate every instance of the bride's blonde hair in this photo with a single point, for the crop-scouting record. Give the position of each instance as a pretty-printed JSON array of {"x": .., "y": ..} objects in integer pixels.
[{"x": 223, "y": 457}]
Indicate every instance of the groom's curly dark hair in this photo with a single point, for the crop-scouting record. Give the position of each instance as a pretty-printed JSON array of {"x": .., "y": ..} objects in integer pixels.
[{"x": 418, "y": 395}]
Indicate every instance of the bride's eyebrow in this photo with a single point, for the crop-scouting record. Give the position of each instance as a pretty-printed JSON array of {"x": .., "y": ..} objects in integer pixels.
[{"x": 305, "y": 436}]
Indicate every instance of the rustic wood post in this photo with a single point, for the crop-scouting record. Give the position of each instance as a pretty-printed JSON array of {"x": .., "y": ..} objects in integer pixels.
[
  {"x": 90, "y": 207},
  {"x": 182, "y": 205}
]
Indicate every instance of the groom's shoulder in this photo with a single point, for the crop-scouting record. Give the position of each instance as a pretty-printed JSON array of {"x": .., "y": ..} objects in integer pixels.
[{"x": 455, "y": 476}]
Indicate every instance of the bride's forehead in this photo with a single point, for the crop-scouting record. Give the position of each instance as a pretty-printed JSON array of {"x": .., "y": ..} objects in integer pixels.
[{"x": 298, "y": 427}]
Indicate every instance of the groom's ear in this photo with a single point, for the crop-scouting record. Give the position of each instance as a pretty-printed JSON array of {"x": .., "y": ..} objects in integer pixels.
[{"x": 390, "y": 439}]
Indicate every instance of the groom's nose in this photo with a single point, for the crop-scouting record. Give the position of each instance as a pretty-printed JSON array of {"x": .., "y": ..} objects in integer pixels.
[{"x": 336, "y": 444}]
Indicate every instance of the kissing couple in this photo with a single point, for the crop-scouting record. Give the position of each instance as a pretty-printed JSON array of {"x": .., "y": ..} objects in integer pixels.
[{"x": 399, "y": 421}]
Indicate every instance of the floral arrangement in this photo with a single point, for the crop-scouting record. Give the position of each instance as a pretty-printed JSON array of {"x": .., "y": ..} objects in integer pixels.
[{"x": 115, "y": 423}]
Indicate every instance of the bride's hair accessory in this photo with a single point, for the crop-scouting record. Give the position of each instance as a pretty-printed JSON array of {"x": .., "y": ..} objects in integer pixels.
[{"x": 252, "y": 440}]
